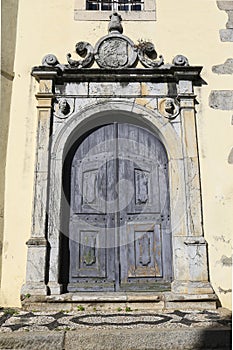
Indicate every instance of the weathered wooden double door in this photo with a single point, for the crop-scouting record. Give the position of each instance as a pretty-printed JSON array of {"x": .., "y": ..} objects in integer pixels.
[{"x": 119, "y": 231}]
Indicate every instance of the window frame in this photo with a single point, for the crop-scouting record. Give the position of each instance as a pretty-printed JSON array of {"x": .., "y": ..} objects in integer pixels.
[{"x": 147, "y": 14}]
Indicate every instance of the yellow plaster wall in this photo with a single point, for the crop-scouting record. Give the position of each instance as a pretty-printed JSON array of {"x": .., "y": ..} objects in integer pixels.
[
  {"x": 8, "y": 37},
  {"x": 183, "y": 27}
]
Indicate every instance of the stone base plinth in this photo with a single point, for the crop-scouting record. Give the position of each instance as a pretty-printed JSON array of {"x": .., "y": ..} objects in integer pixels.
[{"x": 191, "y": 288}]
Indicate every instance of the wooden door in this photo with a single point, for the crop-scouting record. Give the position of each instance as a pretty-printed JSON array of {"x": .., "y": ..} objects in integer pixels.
[{"x": 120, "y": 235}]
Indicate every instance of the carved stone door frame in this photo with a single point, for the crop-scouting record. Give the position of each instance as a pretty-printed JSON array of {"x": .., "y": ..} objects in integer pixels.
[{"x": 71, "y": 100}]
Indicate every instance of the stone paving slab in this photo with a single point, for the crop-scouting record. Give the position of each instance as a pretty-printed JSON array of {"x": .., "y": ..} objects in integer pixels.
[
  {"x": 14, "y": 320},
  {"x": 115, "y": 330},
  {"x": 127, "y": 339},
  {"x": 169, "y": 339},
  {"x": 33, "y": 340}
]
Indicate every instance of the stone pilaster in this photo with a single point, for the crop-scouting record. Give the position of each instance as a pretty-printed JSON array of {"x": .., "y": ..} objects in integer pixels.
[
  {"x": 190, "y": 249},
  {"x": 38, "y": 244}
]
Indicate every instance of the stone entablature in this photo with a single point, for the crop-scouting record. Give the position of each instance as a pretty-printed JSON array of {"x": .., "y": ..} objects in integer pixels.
[{"x": 71, "y": 101}]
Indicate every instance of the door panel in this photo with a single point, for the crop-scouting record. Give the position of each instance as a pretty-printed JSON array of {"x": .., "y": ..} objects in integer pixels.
[
  {"x": 91, "y": 239},
  {"x": 144, "y": 250},
  {"x": 87, "y": 243},
  {"x": 90, "y": 187},
  {"x": 143, "y": 163},
  {"x": 120, "y": 236}
]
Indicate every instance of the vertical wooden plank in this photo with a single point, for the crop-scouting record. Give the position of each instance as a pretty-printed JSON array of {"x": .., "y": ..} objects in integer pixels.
[{"x": 109, "y": 135}]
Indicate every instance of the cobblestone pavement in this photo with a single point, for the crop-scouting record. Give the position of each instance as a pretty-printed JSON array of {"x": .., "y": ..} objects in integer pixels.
[{"x": 15, "y": 320}]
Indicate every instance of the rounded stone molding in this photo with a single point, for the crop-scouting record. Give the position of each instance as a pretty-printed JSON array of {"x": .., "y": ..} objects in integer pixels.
[
  {"x": 180, "y": 60},
  {"x": 63, "y": 107},
  {"x": 169, "y": 108},
  {"x": 50, "y": 60}
]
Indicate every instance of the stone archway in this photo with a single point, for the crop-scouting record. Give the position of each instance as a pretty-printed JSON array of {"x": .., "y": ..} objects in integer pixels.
[{"x": 158, "y": 98}]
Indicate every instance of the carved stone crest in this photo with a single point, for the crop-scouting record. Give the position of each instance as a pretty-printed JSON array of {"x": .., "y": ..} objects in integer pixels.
[
  {"x": 169, "y": 108},
  {"x": 63, "y": 107},
  {"x": 115, "y": 51}
]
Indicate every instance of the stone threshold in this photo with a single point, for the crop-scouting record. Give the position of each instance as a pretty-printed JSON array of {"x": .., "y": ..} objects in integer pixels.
[
  {"x": 110, "y": 300},
  {"x": 105, "y": 297}
]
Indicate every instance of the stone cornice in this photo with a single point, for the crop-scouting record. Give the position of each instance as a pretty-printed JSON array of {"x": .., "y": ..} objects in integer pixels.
[{"x": 165, "y": 74}]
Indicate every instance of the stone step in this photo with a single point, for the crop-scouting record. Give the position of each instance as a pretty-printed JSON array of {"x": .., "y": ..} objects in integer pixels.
[{"x": 118, "y": 339}]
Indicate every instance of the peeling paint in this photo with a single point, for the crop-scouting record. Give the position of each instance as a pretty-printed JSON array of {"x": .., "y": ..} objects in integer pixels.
[
  {"x": 226, "y": 261},
  {"x": 222, "y": 239},
  {"x": 224, "y": 291}
]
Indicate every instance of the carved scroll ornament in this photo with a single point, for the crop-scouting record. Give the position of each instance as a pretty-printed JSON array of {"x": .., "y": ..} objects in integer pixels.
[
  {"x": 85, "y": 50},
  {"x": 147, "y": 55},
  {"x": 114, "y": 51}
]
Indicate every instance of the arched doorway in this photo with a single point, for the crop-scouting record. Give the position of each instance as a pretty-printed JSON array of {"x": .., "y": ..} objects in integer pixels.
[{"x": 119, "y": 222}]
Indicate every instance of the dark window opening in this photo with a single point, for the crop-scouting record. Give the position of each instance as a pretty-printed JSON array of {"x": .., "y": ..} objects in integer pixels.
[{"x": 114, "y": 5}]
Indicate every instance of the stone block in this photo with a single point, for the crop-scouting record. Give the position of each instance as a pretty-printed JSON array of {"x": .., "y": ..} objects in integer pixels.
[
  {"x": 229, "y": 24},
  {"x": 185, "y": 87},
  {"x": 40, "y": 205},
  {"x": 150, "y": 103},
  {"x": 225, "y": 68},
  {"x": 197, "y": 262},
  {"x": 180, "y": 259},
  {"x": 192, "y": 288},
  {"x": 36, "y": 263},
  {"x": 46, "y": 86},
  {"x": 193, "y": 197},
  {"x": 189, "y": 134},
  {"x": 226, "y": 5},
  {"x": 190, "y": 264},
  {"x": 32, "y": 340},
  {"x": 221, "y": 99},
  {"x": 177, "y": 197},
  {"x": 146, "y": 306},
  {"x": 230, "y": 157},
  {"x": 154, "y": 89},
  {"x": 176, "y": 125},
  {"x": 190, "y": 305},
  {"x": 33, "y": 288},
  {"x": 114, "y": 89},
  {"x": 43, "y": 140},
  {"x": 72, "y": 89},
  {"x": 226, "y": 34}
]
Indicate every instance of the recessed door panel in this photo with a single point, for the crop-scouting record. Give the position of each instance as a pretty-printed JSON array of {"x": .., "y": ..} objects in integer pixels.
[{"x": 144, "y": 250}]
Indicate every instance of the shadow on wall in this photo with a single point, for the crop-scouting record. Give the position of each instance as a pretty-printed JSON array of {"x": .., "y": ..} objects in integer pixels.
[{"x": 9, "y": 12}]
